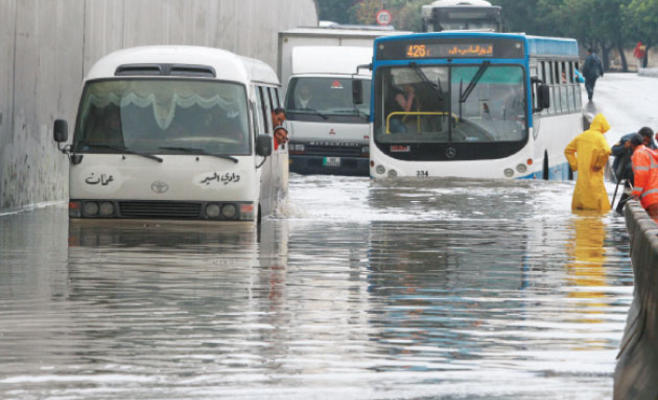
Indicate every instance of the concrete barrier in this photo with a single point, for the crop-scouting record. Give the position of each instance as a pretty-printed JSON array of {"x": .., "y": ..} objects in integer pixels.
[
  {"x": 636, "y": 373},
  {"x": 48, "y": 46}
]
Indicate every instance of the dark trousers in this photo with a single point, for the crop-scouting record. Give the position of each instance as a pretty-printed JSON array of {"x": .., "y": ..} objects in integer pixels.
[{"x": 589, "y": 85}]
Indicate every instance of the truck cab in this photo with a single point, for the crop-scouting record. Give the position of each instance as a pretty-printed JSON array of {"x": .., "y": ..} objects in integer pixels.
[{"x": 328, "y": 131}]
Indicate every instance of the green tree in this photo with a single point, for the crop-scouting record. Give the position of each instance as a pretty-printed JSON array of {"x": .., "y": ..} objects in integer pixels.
[
  {"x": 641, "y": 22},
  {"x": 335, "y": 10}
]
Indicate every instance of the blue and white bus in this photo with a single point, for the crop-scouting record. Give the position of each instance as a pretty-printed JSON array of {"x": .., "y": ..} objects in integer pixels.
[{"x": 473, "y": 104}]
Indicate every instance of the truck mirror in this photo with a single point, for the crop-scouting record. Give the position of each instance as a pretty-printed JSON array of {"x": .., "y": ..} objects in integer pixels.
[
  {"x": 543, "y": 97},
  {"x": 60, "y": 131},
  {"x": 357, "y": 91},
  {"x": 264, "y": 145}
]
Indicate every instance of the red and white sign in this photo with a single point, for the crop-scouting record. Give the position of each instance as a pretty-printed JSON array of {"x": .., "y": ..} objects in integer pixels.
[{"x": 383, "y": 17}]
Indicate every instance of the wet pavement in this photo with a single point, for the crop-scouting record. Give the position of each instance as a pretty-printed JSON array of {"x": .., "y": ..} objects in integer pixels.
[{"x": 443, "y": 288}]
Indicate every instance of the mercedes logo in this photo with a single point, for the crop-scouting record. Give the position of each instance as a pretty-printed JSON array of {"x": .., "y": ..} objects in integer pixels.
[
  {"x": 159, "y": 187},
  {"x": 451, "y": 152}
]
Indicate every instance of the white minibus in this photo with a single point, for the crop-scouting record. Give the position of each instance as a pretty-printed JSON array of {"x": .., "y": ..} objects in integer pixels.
[{"x": 175, "y": 132}]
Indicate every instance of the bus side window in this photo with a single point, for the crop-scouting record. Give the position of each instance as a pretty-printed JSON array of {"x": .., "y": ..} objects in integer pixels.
[
  {"x": 258, "y": 120},
  {"x": 277, "y": 98},
  {"x": 267, "y": 101},
  {"x": 266, "y": 115}
]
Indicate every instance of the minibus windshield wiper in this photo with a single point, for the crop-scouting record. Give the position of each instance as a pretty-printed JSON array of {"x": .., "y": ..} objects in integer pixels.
[
  {"x": 193, "y": 150},
  {"x": 471, "y": 85},
  {"x": 121, "y": 149},
  {"x": 435, "y": 86}
]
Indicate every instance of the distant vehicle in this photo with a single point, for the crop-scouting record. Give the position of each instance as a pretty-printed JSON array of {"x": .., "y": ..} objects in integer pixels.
[
  {"x": 175, "y": 132},
  {"x": 476, "y": 105},
  {"x": 449, "y": 15},
  {"x": 328, "y": 135}
]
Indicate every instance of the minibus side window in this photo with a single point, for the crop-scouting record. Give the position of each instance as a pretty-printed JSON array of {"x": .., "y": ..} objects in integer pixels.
[
  {"x": 266, "y": 115},
  {"x": 267, "y": 107}
]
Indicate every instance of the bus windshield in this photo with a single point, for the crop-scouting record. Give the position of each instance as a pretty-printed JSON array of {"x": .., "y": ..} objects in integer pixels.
[
  {"x": 160, "y": 115},
  {"x": 450, "y": 104},
  {"x": 326, "y": 99}
]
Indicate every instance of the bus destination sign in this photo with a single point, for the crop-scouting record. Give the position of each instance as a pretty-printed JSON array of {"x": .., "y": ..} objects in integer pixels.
[{"x": 450, "y": 48}]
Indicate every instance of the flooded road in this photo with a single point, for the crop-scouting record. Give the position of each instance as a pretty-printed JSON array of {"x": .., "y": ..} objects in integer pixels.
[{"x": 429, "y": 289}]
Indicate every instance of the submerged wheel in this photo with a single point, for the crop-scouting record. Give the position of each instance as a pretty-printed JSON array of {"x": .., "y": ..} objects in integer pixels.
[{"x": 545, "y": 172}]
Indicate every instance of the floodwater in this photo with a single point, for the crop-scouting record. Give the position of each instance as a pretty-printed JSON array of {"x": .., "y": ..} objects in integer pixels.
[{"x": 428, "y": 289}]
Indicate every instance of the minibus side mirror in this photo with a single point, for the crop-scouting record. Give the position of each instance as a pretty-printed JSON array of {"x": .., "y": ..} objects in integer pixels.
[
  {"x": 61, "y": 135},
  {"x": 61, "y": 131},
  {"x": 543, "y": 97},
  {"x": 264, "y": 145},
  {"x": 357, "y": 91}
]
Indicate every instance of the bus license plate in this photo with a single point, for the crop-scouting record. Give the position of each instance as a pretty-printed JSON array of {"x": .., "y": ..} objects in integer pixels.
[{"x": 331, "y": 162}]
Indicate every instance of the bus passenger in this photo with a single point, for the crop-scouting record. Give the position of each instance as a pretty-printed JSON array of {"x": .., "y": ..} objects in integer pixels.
[
  {"x": 400, "y": 101},
  {"x": 278, "y": 116},
  {"x": 588, "y": 153},
  {"x": 280, "y": 137}
]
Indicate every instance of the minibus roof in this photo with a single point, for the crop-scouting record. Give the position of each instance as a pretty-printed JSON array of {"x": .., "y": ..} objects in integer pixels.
[{"x": 224, "y": 64}]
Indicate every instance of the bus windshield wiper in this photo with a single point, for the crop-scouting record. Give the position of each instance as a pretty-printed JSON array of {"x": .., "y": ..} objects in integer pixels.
[
  {"x": 435, "y": 86},
  {"x": 121, "y": 149},
  {"x": 471, "y": 85},
  {"x": 201, "y": 152}
]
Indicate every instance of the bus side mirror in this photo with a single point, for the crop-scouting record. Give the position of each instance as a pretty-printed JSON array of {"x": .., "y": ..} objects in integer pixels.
[
  {"x": 61, "y": 135},
  {"x": 357, "y": 91},
  {"x": 264, "y": 145},
  {"x": 543, "y": 97},
  {"x": 61, "y": 131}
]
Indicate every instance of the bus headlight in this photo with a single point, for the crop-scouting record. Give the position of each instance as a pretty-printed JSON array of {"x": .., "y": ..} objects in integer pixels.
[
  {"x": 212, "y": 210},
  {"x": 90, "y": 209},
  {"x": 106, "y": 209},
  {"x": 392, "y": 173},
  {"x": 521, "y": 168},
  {"x": 380, "y": 169},
  {"x": 229, "y": 211},
  {"x": 75, "y": 209},
  {"x": 509, "y": 172}
]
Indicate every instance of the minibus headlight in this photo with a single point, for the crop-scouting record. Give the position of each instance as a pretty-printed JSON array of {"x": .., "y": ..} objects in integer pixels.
[
  {"x": 212, "y": 210},
  {"x": 107, "y": 209},
  {"x": 90, "y": 209},
  {"x": 380, "y": 169},
  {"x": 509, "y": 172},
  {"x": 392, "y": 173},
  {"x": 75, "y": 209},
  {"x": 247, "y": 211},
  {"x": 229, "y": 211},
  {"x": 521, "y": 168}
]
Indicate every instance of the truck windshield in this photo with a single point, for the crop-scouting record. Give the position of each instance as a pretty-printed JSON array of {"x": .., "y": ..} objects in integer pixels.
[
  {"x": 445, "y": 110},
  {"x": 152, "y": 115},
  {"x": 326, "y": 99}
]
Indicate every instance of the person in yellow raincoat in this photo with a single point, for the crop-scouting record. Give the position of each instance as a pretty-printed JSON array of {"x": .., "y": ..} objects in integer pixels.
[{"x": 587, "y": 154}]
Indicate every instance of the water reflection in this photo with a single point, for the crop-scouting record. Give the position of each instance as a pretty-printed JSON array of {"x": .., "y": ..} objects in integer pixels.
[{"x": 404, "y": 290}]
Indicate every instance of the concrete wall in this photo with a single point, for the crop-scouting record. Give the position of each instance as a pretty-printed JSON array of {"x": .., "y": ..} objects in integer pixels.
[
  {"x": 48, "y": 46},
  {"x": 636, "y": 374}
]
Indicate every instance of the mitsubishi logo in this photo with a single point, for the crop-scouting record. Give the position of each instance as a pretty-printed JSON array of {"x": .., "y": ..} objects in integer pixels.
[
  {"x": 332, "y": 131},
  {"x": 159, "y": 187},
  {"x": 451, "y": 152}
]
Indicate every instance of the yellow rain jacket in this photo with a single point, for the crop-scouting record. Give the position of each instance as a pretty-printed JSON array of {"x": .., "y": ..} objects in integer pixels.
[{"x": 588, "y": 153}]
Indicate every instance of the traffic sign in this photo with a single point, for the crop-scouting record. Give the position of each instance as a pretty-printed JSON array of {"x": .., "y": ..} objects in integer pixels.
[{"x": 383, "y": 17}]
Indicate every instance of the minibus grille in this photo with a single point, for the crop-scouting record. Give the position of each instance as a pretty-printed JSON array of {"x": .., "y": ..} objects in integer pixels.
[{"x": 159, "y": 209}]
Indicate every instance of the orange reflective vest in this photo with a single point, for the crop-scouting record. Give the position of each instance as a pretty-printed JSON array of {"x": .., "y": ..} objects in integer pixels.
[{"x": 645, "y": 175}]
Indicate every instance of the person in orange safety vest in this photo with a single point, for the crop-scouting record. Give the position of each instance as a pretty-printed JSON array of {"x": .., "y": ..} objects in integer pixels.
[{"x": 645, "y": 174}]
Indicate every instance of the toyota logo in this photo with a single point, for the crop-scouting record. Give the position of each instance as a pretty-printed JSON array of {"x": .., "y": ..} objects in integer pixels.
[
  {"x": 451, "y": 152},
  {"x": 159, "y": 187}
]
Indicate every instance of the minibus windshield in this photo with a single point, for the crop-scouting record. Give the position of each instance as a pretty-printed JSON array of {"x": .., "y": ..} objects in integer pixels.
[{"x": 159, "y": 115}]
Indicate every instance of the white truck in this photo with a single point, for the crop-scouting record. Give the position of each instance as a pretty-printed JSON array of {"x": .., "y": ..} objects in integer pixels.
[{"x": 328, "y": 132}]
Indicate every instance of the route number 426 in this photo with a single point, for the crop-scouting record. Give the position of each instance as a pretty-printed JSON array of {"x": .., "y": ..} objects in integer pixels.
[{"x": 422, "y": 173}]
